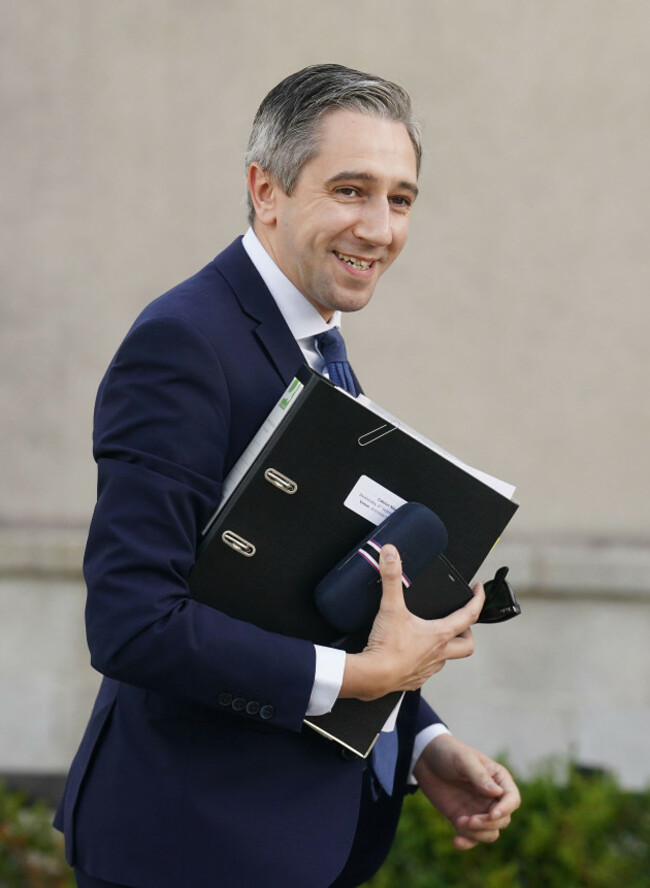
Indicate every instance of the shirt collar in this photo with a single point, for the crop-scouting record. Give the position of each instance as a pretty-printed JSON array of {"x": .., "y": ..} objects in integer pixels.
[{"x": 302, "y": 318}]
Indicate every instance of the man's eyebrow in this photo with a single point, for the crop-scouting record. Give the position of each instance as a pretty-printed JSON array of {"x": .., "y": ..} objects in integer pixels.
[{"x": 347, "y": 175}]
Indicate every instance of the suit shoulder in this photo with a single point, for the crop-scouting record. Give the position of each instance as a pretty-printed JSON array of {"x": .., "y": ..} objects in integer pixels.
[{"x": 199, "y": 300}]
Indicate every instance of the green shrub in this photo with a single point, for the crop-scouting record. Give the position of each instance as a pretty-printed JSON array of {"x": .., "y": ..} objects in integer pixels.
[
  {"x": 31, "y": 851},
  {"x": 582, "y": 831}
]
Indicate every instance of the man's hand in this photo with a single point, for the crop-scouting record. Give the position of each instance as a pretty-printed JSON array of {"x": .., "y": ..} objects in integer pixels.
[
  {"x": 475, "y": 793},
  {"x": 403, "y": 651}
]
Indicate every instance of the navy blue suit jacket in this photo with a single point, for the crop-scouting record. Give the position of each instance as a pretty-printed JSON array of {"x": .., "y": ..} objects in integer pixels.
[{"x": 195, "y": 769}]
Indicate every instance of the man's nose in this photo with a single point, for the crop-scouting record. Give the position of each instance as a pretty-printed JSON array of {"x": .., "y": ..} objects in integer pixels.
[{"x": 374, "y": 223}]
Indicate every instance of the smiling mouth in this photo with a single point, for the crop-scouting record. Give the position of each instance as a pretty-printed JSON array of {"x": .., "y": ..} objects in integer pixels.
[{"x": 354, "y": 262}]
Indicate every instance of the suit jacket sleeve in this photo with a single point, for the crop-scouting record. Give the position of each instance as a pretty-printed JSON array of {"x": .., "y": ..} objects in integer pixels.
[
  {"x": 426, "y": 717},
  {"x": 162, "y": 425}
]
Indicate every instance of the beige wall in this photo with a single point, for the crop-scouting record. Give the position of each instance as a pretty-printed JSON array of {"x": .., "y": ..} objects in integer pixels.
[{"x": 514, "y": 329}]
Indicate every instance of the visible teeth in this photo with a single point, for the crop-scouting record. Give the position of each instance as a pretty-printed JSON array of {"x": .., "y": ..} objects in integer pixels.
[{"x": 355, "y": 263}]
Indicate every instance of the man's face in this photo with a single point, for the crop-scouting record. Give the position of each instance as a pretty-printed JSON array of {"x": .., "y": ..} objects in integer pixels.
[{"x": 347, "y": 218}]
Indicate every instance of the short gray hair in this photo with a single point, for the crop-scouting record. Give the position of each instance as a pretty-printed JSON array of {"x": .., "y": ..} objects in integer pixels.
[{"x": 285, "y": 130}]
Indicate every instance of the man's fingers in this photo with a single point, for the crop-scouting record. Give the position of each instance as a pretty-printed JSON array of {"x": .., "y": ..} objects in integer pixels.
[
  {"x": 505, "y": 806},
  {"x": 482, "y": 822},
  {"x": 460, "y": 646},
  {"x": 475, "y": 836},
  {"x": 464, "y": 844},
  {"x": 460, "y": 620},
  {"x": 501, "y": 786},
  {"x": 480, "y": 828},
  {"x": 390, "y": 567}
]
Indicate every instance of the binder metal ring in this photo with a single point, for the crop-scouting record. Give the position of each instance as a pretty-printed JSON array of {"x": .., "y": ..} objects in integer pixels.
[
  {"x": 238, "y": 543},
  {"x": 286, "y": 485}
]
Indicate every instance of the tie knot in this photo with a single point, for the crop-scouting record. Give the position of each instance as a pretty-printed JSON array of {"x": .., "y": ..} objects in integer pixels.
[{"x": 332, "y": 346}]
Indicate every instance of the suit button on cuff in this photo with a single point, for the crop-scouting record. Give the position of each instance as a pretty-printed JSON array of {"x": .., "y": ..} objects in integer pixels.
[
  {"x": 267, "y": 711},
  {"x": 238, "y": 704},
  {"x": 253, "y": 707},
  {"x": 225, "y": 699}
]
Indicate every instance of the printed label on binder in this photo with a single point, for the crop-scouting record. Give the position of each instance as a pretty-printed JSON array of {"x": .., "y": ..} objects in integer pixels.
[{"x": 372, "y": 501}]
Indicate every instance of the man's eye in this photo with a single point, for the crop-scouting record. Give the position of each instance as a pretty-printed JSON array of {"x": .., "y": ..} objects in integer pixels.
[
  {"x": 347, "y": 191},
  {"x": 401, "y": 201}
]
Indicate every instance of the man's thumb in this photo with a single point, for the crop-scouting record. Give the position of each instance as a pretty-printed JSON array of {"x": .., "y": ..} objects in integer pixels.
[
  {"x": 390, "y": 567},
  {"x": 481, "y": 778}
]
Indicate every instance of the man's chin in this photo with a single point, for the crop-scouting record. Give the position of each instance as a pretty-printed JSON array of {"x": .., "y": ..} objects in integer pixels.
[
  {"x": 347, "y": 296},
  {"x": 353, "y": 298}
]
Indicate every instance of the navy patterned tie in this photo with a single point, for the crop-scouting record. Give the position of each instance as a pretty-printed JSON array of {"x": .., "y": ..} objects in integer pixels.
[
  {"x": 384, "y": 759},
  {"x": 332, "y": 348}
]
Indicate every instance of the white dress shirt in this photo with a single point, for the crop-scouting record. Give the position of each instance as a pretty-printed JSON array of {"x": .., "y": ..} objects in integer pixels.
[{"x": 305, "y": 323}]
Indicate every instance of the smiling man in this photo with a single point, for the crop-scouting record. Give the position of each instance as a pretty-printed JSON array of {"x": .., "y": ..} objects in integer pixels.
[
  {"x": 194, "y": 769},
  {"x": 347, "y": 217}
]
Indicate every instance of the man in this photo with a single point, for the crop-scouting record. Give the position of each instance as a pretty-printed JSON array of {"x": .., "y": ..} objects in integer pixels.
[{"x": 194, "y": 770}]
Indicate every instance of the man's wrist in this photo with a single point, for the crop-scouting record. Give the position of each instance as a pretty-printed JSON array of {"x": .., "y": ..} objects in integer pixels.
[
  {"x": 365, "y": 677},
  {"x": 427, "y": 735}
]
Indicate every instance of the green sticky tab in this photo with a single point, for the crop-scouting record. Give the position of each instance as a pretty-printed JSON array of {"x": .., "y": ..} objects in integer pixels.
[{"x": 290, "y": 393}]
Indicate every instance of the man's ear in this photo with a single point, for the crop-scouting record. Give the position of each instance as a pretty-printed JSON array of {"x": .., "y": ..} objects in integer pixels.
[{"x": 263, "y": 191}]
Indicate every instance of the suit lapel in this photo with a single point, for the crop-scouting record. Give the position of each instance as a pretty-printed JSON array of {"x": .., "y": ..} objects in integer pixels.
[{"x": 256, "y": 301}]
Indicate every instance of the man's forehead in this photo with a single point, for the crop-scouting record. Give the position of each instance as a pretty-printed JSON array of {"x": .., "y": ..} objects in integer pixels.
[{"x": 353, "y": 135}]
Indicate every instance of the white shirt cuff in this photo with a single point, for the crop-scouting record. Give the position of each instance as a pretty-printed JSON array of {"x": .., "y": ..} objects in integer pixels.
[
  {"x": 328, "y": 678},
  {"x": 421, "y": 741}
]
